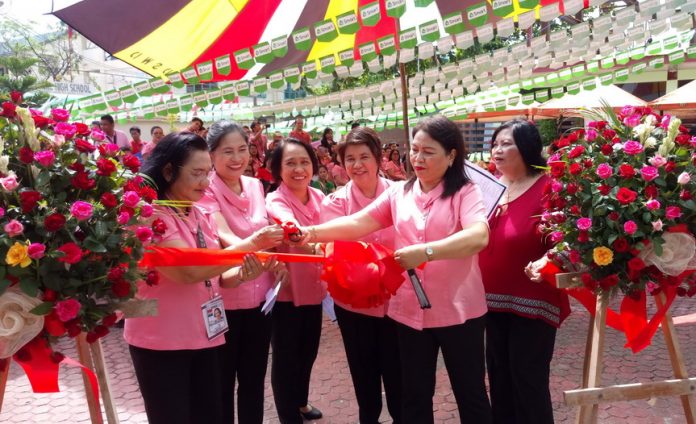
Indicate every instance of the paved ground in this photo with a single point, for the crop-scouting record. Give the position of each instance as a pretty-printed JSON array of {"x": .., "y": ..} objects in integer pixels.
[{"x": 332, "y": 391}]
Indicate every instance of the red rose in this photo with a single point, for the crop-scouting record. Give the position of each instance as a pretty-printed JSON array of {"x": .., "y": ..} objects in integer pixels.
[
  {"x": 26, "y": 155},
  {"x": 572, "y": 137},
  {"x": 9, "y": 110},
  {"x": 131, "y": 162},
  {"x": 670, "y": 166},
  {"x": 98, "y": 332},
  {"x": 76, "y": 166},
  {"x": 575, "y": 169},
  {"x": 684, "y": 195},
  {"x": 650, "y": 192},
  {"x": 121, "y": 288},
  {"x": 73, "y": 328},
  {"x": 105, "y": 167},
  {"x": 49, "y": 295},
  {"x": 82, "y": 129},
  {"x": 572, "y": 188},
  {"x": 28, "y": 200},
  {"x": 607, "y": 149},
  {"x": 608, "y": 134},
  {"x": 16, "y": 96},
  {"x": 626, "y": 171},
  {"x": 682, "y": 139},
  {"x": 575, "y": 210},
  {"x": 41, "y": 121},
  {"x": 576, "y": 151},
  {"x": 557, "y": 169},
  {"x": 116, "y": 274},
  {"x": 636, "y": 264},
  {"x": 626, "y": 196},
  {"x": 131, "y": 185},
  {"x": 588, "y": 281},
  {"x": 109, "y": 320},
  {"x": 608, "y": 282},
  {"x": 81, "y": 181},
  {"x": 588, "y": 163},
  {"x": 583, "y": 237},
  {"x": 84, "y": 146},
  {"x": 152, "y": 278},
  {"x": 54, "y": 222},
  {"x": 72, "y": 253},
  {"x": 613, "y": 216},
  {"x": 108, "y": 200},
  {"x": 53, "y": 325},
  {"x": 148, "y": 194},
  {"x": 620, "y": 245},
  {"x": 158, "y": 226},
  {"x": 604, "y": 189},
  {"x": 563, "y": 142}
]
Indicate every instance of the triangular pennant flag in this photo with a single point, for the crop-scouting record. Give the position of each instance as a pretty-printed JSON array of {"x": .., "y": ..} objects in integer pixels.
[
  {"x": 205, "y": 70},
  {"x": 348, "y": 23},
  {"x": 395, "y": 8},
  {"x": 113, "y": 98},
  {"x": 387, "y": 45},
  {"x": 143, "y": 88},
  {"x": 291, "y": 74},
  {"x": 347, "y": 57},
  {"x": 190, "y": 75},
  {"x": 223, "y": 65},
  {"x": 129, "y": 96},
  {"x": 370, "y": 14},
  {"x": 186, "y": 102},
  {"x": 302, "y": 39},
  {"x": 477, "y": 14},
  {"x": 309, "y": 69},
  {"x": 325, "y": 31},
  {"x": 367, "y": 51},
  {"x": 176, "y": 80},
  {"x": 229, "y": 92},
  {"x": 201, "y": 99},
  {"x": 244, "y": 59},
  {"x": 279, "y": 46},
  {"x": 454, "y": 23},
  {"x": 260, "y": 84},
  {"x": 328, "y": 64},
  {"x": 557, "y": 92},
  {"x": 263, "y": 53},
  {"x": 429, "y": 31},
  {"x": 243, "y": 88}
]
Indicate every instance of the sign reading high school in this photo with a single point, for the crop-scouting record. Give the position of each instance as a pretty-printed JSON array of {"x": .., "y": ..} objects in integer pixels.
[{"x": 72, "y": 88}]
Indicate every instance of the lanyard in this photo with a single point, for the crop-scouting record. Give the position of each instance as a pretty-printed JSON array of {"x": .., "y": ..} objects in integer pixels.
[{"x": 200, "y": 243}]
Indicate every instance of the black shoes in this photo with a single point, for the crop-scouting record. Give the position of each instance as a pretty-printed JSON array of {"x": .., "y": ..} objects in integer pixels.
[{"x": 312, "y": 414}]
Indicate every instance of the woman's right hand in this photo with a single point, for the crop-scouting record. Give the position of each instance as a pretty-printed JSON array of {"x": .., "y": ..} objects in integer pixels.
[
  {"x": 533, "y": 269},
  {"x": 268, "y": 237}
]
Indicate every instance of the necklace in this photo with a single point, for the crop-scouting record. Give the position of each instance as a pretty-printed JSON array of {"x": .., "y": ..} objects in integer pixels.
[{"x": 517, "y": 188}]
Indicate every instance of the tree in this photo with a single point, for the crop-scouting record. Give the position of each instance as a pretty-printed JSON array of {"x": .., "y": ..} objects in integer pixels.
[{"x": 18, "y": 78}]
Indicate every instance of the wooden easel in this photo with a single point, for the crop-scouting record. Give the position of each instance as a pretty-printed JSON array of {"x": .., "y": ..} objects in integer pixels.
[
  {"x": 91, "y": 355},
  {"x": 592, "y": 394}
]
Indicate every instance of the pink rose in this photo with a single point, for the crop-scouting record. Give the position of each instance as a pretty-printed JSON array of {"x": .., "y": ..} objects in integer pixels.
[
  {"x": 9, "y": 183},
  {"x": 590, "y": 134},
  {"x": 81, "y": 210},
  {"x": 37, "y": 250},
  {"x": 67, "y": 309},
  {"x": 556, "y": 186},
  {"x": 649, "y": 173},
  {"x": 65, "y": 129},
  {"x": 653, "y": 204},
  {"x": 60, "y": 115},
  {"x": 632, "y": 147},
  {"x": 657, "y": 225},
  {"x": 651, "y": 286},
  {"x": 584, "y": 224},
  {"x": 123, "y": 218},
  {"x": 664, "y": 123},
  {"x": 628, "y": 110},
  {"x": 14, "y": 228},
  {"x": 684, "y": 178},
  {"x": 630, "y": 227},
  {"x": 604, "y": 171},
  {"x": 146, "y": 210},
  {"x": 632, "y": 121},
  {"x": 673, "y": 212},
  {"x": 45, "y": 158},
  {"x": 657, "y": 160},
  {"x": 144, "y": 234},
  {"x": 58, "y": 140},
  {"x": 131, "y": 199},
  {"x": 556, "y": 236},
  {"x": 108, "y": 149},
  {"x": 2, "y": 212},
  {"x": 98, "y": 135}
]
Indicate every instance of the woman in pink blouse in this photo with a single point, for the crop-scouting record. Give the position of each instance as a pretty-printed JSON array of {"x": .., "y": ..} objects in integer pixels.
[
  {"x": 369, "y": 336},
  {"x": 296, "y": 318},
  {"x": 393, "y": 167},
  {"x": 239, "y": 209},
  {"x": 440, "y": 221},
  {"x": 175, "y": 362}
]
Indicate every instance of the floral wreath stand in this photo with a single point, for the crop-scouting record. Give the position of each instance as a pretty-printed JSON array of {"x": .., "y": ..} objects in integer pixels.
[
  {"x": 591, "y": 394},
  {"x": 91, "y": 356}
]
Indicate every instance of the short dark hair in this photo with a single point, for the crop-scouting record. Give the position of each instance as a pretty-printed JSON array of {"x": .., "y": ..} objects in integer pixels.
[
  {"x": 528, "y": 141},
  {"x": 197, "y": 119},
  {"x": 448, "y": 135},
  {"x": 108, "y": 118},
  {"x": 134, "y": 129},
  {"x": 152, "y": 130},
  {"x": 354, "y": 125},
  {"x": 219, "y": 130},
  {"x": 277, "y": 157},
  {"x": 255, "y": 124},
  {"x": 391, "y": 153},
  {"x": 362, "y": 136},
  {"x": 175, "y": 149}
]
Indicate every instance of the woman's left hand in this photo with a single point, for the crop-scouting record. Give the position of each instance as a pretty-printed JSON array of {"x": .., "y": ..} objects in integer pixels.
[
  {"x": 279, "y": 270},
  {"x": 411, "y": 257}
]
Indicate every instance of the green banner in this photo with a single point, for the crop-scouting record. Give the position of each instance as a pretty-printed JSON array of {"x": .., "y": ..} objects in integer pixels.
[
  {"x": 528, "y": 4},
  {"x": 621, "y": 75},
  {"x": 223, "y": 65},
  {"x": 161, "y": 109},
  {"x": 302, "y": 39},
  {"x": 541, "y": 96},
  {"x": 637, "y": 53},
  {"x": 205, "y": 70},
  {"x": 176, "y": 80},
  {"x": 186, "y": 102},
  {"x": 327, "y": 63},
  {"x": 623, "y": 58},
  {"x": 593, "y": 66},
  {"x": 454, "y": 23},
  {"x": 291, "y": 74},
  {"x": 148, "y": 112},
  {"x": 503, "y": 8},
  {"x": 589, "y": 84},
  {"x": 606, "y": 79},
  {"x": 565, "y": 74},
  {"x": 422, "y": 3},
  {"x": 143, "y": 88},
  {"x": 201, "y": 99},
  {"x": 260, "y": 84},
  {"x": 113, "y": 98},
  {"x": 215, "y": 97},
  {"x": 159, "y": 86},
  {"x": 347, "y": 57},
  {"x": 557, "y": 92},
  {"x": 671, "y": 42},
  {"x": 243, "y": 88},
  {"x": 367, "y": 51},
  {"x": 309, "y": 69},
  {"x": 387, "y": 45},
  {"x": 691, "y": 52},
  {"x": 477, "y": 14},
  {"x": 527, "y": 99},
  {"x": 263, "y": 53},
  {"x": 395, "y": 8},
  {"x": 276, "y": 80},
  {"x": 573, "y": 88},
  {"x": 638, "y": 68},
  {"x": 429, "y": 31},
  {"x": 173, "y": 106},
  {"x": 279, "y": 46},
  {"x": 244, "y": 59},
  {"x": 408, "y": 38},
  {"x": 607, "y": 62},
  {"x": 370, "y": 14},
  {"x": 229, "y": 92},
  {"x": 129, "y": 95},
  {"x": 657, "y": 62},
  {"x": 190, "y": 75},
  {"x": 325, "y": 31},
  {"x": 348, "y": 23}
]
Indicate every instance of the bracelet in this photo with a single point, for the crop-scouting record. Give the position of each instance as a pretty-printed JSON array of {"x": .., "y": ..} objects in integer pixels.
[{"x": 312, "y": 234}]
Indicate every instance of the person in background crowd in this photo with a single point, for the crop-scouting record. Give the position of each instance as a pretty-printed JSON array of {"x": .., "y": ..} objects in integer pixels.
[
  {"x": 297, "y": 313},
  {"x": 156, "y": 134},
  {"x": 247, "y": 130},
  {"x": 136, "y": 143},
  {"x": 176, "y": 364},
  {"x": 393, "y": 168},
  {"x": 337, "y": 171},
  {"x": 298, "y": 131},
  {"x": 354, "y": 125},
  {"x": 256, "y": 162},
  {"x": 327, "y": 140},
  {"x": 113, "y": 135},
  {"x": 95, "y": 125},
  {"x": 522, "y": 315},
  {"x": 258, "y": 139},
  {"x": 239, "y": 209},
  {"x": 324, "y": 182},
  {"x": 196, "y": 126},
  {"x": 369, "y": 336},
  {"x": 273, "y": 143},
  {"x": 439, "y": 218}
]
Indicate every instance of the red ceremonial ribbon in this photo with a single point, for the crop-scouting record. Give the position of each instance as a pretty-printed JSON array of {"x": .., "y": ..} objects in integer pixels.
[{"x": 190, "y": 256}]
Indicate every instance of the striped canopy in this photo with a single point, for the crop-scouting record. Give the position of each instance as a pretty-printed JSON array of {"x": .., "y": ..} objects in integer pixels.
[{"x": 192, "y": 41}]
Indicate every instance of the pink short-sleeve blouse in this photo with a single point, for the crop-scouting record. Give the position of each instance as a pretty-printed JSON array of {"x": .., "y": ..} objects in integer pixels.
[
  {"x": 305, "y": 286},
  {"x": 179, "y": 322},
  {"x": 454, "y": 286},
  {"x": 244, "y": 213},
  {"x": 346, "y": 201}
]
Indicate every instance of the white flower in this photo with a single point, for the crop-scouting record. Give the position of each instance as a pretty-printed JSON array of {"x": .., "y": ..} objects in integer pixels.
[
  {"x": 650, "y": 120},
  {"x": 672, "y": 130},
  {"x": 4, "y": 161},
  {"x": 684, "y": 178},
  {"x": 29, "y": 128},
  {"x": 642, "y": 131},
  {"x": 650, "y": 142},
  {"x": 677, "y": 253},
  {"x": 666, "y": 147},
  {"x": 617, "y": 147},
  {"x": 18, "y": 326}
]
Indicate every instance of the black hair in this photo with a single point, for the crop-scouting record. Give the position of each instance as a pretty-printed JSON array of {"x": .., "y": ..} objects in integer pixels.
[
  {"x": 277, "y": 157},
  {"x": 108, "y": 118},
  {"x": 219, "y": 130},
  {"x": 174, "y": 149},
  {"x": 254, "y": 124},
  {"x": 528, "y": 141},
  {"x": 134, "y": 129},
  {"x": 197, "y": 119},
  {"x": 152, "y": 130},
  {"x": 362, "y": 136},
  {"x": 447, "y": 134},
  {"x": 324, "y": 141},
  {"x": 354, "y": 125},
  {"x": 391, "y": 153}
]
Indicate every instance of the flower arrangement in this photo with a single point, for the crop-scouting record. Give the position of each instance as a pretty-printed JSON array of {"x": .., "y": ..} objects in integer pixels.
[
  {"x": 621, "y": 202},
  {"x": 69, "y": 234}
]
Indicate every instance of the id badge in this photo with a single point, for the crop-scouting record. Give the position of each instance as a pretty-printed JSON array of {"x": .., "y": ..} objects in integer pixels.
[{"x": 214, "y": 317}]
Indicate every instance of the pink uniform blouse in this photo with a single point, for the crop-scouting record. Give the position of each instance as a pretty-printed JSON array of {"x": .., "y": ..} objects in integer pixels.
[
  {"x": 397, "y": 170},
  {"x": 453, "y": 286},
  {"x": 346, "y": 201},
  {"x": 179, "y": 322},
  {"x": 338, "y": 174},
  {"x": 305, "y": 286},
  {"x": 244, "y": 213}
]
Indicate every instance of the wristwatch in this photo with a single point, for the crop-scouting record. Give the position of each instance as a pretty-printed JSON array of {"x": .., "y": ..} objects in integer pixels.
[{"x": 429, "y": 253}]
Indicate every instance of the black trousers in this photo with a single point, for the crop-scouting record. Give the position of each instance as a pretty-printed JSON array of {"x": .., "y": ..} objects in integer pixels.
[
  {"x": 463, "y": 352},
  {"x": 518, "y": 353},
  {"x": 373, "y": 356},
  {"x": 295, "y": 341},
  {"x": 244, "y": 358},
  {"x": 179, "y": 386}
]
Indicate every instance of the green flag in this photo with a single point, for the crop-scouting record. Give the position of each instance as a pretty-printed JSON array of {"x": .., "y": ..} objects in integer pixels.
[
  {"x": 529, "y": 4},
  {"x": 143, "y": 88},
  {"x": 370, "y": 14},
  {"x": 348, "y": 23},
  {"x": 367, "y": 51},
  {"x": 347, "y": 57},
  {"x": 260, "y": 84},
  {"x": 205, "y": 70},
  {"x": 454, "y": 23},
  {"x": 429, "y": 31},
  {"x": 159, "y": 86},
  {"x": 276, "y": 80},
  {"x": 129, "y": 95},
  {"x": 573, "y": 88},
  {"x": 408, "y": 38},
  {"x": 557, "y": 92},
  {"x": 387, "y": 45},
  {"x": 589, "y": 84},
  {"x": 502, "y": 8},
  {"x": 325, "y": 30},
  {"x": 113, "y": 98},
  {"x": 223, "y": 65},
  {"x": 243, "y": 88},
  {"x": 477, "y": 14},
  {"x": 190, "y": 75},
  {"x": 302, "y": 39},
  {"x": 279, "y": 46},
  {"x": 621, "y": 75},
  {"x": 244, "y": 59},
  {"x": 395, "y": 8},
  {"x": 328, "y": 64},
  {"x": 176, "y": 80},
  {"x": 263, "y": 53}
]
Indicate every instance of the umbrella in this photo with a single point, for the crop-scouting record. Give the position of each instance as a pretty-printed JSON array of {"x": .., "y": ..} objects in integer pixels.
[
  {"x": 572, "y": 105},
  {"x": 683, "y": 99}
]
